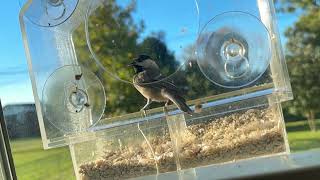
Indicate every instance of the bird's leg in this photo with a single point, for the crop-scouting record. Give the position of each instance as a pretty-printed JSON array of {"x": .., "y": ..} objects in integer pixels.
[
  {"x": 165, "y": 108},
  {"x": 144, "y": 113},
  {"x": 145, "y": 107}
]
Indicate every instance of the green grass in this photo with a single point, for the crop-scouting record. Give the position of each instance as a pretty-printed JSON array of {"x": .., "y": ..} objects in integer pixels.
[
  {"x": 300, "y": 126},
  {"x": 301, "y": 138},
  {"x": 34, "y": 163}
]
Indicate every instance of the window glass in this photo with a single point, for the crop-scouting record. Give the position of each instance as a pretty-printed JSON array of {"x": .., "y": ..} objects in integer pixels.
[
  {"x": 299, "y": 26},
  {"x": 2, "y": 175}
]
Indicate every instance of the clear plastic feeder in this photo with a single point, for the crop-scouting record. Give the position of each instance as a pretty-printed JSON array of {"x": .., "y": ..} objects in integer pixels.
[
  {"x": 225, "y": 58},
  {"x": 174, "y": 144}
]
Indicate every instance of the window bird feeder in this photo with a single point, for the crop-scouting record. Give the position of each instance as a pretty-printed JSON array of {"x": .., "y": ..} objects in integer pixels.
[{"x": 225, "y": 56}]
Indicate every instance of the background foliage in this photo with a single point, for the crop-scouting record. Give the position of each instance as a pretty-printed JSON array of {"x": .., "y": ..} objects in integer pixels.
[
  {"x": 116, "y": 39},
  {"x": 303, "y": 58}
]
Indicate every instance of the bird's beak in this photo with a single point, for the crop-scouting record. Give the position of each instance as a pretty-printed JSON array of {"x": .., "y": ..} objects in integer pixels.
[{"x": 131, "y": 64}]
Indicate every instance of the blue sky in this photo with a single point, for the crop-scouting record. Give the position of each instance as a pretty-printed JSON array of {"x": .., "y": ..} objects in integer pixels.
[{"x": 15, "y": 85}]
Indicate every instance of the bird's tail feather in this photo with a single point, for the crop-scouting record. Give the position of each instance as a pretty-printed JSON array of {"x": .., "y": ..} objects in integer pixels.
[{"x": 181, "y": 103}]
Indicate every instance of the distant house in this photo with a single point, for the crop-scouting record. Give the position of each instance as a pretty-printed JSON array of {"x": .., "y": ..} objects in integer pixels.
[{"x": 21, "y": 120}]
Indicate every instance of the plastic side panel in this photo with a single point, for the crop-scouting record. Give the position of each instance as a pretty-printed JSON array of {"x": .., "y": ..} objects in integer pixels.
[
  {"x": 32, "y": 74},
  {"x": 278, "y": 65},
  {"x": 51, "y": 48}
]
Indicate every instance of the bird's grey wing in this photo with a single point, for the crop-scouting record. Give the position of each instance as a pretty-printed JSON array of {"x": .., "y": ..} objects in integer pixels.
[
  {"x": 168, "y": 90},
  {"x": 161, "y": 83},
  {"x": 155, "y": 82}
]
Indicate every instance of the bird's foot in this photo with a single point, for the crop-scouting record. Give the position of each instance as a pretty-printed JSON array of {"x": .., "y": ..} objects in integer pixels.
[
  {"x": 144, "y": 112},
  {"x": 165, "y": 110}
]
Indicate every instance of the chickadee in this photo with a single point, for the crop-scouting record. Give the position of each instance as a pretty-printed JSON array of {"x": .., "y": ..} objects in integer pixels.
[{"x": 149, "y": 81}]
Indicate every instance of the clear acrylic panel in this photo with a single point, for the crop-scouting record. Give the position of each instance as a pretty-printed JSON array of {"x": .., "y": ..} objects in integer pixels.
[{"x": 102, "y": 37}]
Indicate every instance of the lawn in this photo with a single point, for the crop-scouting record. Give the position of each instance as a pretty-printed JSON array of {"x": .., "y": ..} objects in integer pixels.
[
  {"x": 301, "y": 138},
  {"x": 34, "y": 163}
]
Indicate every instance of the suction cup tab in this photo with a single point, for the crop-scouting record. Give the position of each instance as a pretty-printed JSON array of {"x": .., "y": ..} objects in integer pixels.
[
  {"x": 234, "y": 49},
  {"x": 233, "y": 52},
  {"x": 49, "y": 13},
  {"x": 73, "y": 99},
  {"x": 77, "y": 99}
]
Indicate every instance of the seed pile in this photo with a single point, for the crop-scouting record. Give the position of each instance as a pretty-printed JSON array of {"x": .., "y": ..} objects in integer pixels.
[{"x": 235, "y": 136}]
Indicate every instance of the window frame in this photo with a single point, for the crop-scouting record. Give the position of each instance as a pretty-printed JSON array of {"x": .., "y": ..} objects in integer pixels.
[{"x": 6, "y": 161}]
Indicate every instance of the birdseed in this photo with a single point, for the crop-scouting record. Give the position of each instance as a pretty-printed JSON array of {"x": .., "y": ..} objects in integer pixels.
[{"x": 255, "y": 132}]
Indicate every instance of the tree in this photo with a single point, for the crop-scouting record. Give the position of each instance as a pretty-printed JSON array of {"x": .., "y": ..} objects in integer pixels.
[
  {"x": 303, "y": 59},
  {"x": 290, "y": 6},
  {"x": 154, "y": 46},
  {"x": 113, "y": 36},
  {"x": 115, "y": 39}
]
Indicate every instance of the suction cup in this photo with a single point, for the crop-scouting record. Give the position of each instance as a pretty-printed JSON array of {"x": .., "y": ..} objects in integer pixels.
[
  {"x": 73, "y": 99},
  {"x": 155, "y": 28},
  {"x": 49, "y": 13},
  {"x": 234, "y": 49}
]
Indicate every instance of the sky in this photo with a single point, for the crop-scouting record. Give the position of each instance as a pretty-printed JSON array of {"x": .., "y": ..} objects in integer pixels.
[{"x": 15, "y": 85}]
